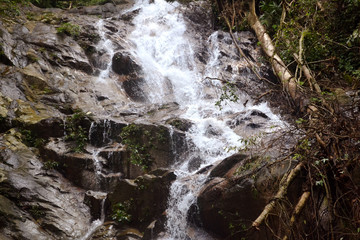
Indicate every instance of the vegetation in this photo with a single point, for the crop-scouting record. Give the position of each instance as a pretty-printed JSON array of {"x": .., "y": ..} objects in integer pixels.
[
  {"x": 76, "y": 132},
  {"x": 139, "y": 152},
  {"x": 31, "y": 139},
  {"x": 316, "y": 57},
  {"x": 49, "y": 165},
  {"x": 10, "y": 8},
  {"x": 121, "y": 212},
  {"x": 67, "y": 3},
  {"x": 69, "y": 29}
]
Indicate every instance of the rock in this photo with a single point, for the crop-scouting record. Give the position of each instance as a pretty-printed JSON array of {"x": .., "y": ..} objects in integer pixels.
[
  {"x": 253, "y": 125},
  {"x": 49, "y": 127},
  {"x": 29, "y": 114},
  {"x": 133, "y": 87},
  {"x": 147, "y": 195},
  {"x": 79, "y": 168},
  {"x": 124, "y": 64},
  {"x": 64, "y": 50},
  {"x": 96, "y": 203},
  {"x": 225, "y": 165},
  {"x": 36, "y": 205},
  {"x": 236, "y": 193},
  {"x": 150, "y": 142},
  {"x": 129, "y": 234},
  {"x": 259, "y": 113},
  {"x": 104, "y": 131},
  {"x": 180, "y": 124}
]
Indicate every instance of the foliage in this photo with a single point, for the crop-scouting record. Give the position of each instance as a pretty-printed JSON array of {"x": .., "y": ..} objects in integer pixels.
[
  {"x": 331, "y": 33},
  {"x": 75, "y": 132},
  {"x": 49, "y": 165},
  {"x": 321, "y": 37},
  {"x": 69, "y": 29},
  {"x": 121, "y": 212},
  {"x": 31, "y": 139},
  {"x": 67, "y": 4},
  {"x": 37, "y": 212},
  {"x": 228, "y": 93},
  {"x": 139, "y": 152},
  {"x": 11, "y": 8}
]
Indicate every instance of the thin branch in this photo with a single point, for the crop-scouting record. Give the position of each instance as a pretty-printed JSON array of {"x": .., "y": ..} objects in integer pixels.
[{"x": 284, "y": 184}]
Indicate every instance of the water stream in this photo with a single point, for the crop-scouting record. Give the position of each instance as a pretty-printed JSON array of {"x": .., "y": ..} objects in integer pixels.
[
  {"x": 167, "y": 57},
  {"x": 165, "y": 50}
]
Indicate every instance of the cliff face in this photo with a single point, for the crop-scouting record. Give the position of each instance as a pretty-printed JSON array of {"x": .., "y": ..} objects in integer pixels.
[{"x": 70, "y": 150}]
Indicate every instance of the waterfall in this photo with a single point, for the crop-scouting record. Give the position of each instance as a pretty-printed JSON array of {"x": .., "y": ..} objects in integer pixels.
[
  {"x": 96, "y": 223},
  {"x": 171, "y": 74}
]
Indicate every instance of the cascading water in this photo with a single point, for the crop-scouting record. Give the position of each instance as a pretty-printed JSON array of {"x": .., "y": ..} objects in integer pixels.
[
  {"x": 171, "y": 75},
  {"x": 104, "y": 44}
]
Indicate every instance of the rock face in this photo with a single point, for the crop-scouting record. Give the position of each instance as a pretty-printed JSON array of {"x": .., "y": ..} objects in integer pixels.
[
  {"x": 73, "y": 146},
  {"x": 36, "y": 203},
  {"x": 48, "y": 91},
  {"x": 236, "y": 193}
]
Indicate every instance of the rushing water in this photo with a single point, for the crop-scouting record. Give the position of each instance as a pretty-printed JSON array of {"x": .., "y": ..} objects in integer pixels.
[
  {"x": 167, "y": 58},
  {"x": 165, "y": 51}
]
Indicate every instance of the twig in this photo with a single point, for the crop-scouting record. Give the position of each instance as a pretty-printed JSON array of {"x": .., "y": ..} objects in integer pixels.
[{"x": 262, "y": 95}]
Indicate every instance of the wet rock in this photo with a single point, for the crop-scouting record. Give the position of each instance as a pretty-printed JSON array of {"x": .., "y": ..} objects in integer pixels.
[
  {"x": 237, "y": 193},
  {"x": 105, "y": 232},
  {"x": 12, "y": 52},
  {"x": 212, "y": 131},
  {"x": 37, "y": 206},
  {"x": 147, "y": 195},
  {"x": 77, "y": 167},
  {"x": 107, "y": 10},
  {"x": 180, "y": 124},
  {"x": 65, "y": 50},
  {"x": 259, "y": 113},
  {"x": 194, "y": 163},
  {"x": 133, "y": 87},
  {"x": 129, "y": 234},
  {"x": 96, "y": 202},
  {"x": 253, "y": 125},
  {"x": 28, "y": 113},
  {"x": 104, "y": 131},
  {"x": 225, "y": 165},
  {"x": 129, "y": 16},
  {"x": 124, "y": 64},
  {"x": 50, "y": 127}
]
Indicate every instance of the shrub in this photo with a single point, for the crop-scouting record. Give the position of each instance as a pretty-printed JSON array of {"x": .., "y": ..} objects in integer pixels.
[
  {"x": 69, "y": 29},
  {"x": 120, "y": 212},
  {"x": 75, "y": 132},
  {"x": 139, "y": 153}
]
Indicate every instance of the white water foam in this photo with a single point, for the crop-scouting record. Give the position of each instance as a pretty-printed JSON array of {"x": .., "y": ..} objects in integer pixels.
[
  {"x": 96, "y": 223},
  {"x": 167, "y": 58},
  {"x": 106, "y": 45}
]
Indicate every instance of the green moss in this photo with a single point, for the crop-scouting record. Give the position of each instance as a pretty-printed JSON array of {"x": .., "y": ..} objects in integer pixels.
[
  {"x": 69, "y": 29},
  {"x": 11, "y": 8}
]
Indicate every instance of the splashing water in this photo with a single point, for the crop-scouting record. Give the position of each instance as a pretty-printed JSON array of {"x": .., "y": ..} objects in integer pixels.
[{"x": 167, "y": 57}]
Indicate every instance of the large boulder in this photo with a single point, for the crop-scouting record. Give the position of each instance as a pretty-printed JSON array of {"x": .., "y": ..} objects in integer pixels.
[
  {"x": 124, "y": 64},
  {"x": 146, "y": 195},
  {"x": 236, "y": 193}
]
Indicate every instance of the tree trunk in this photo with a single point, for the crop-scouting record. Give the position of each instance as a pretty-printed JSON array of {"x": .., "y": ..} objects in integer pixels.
[{"x": 287, "y": 78}]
